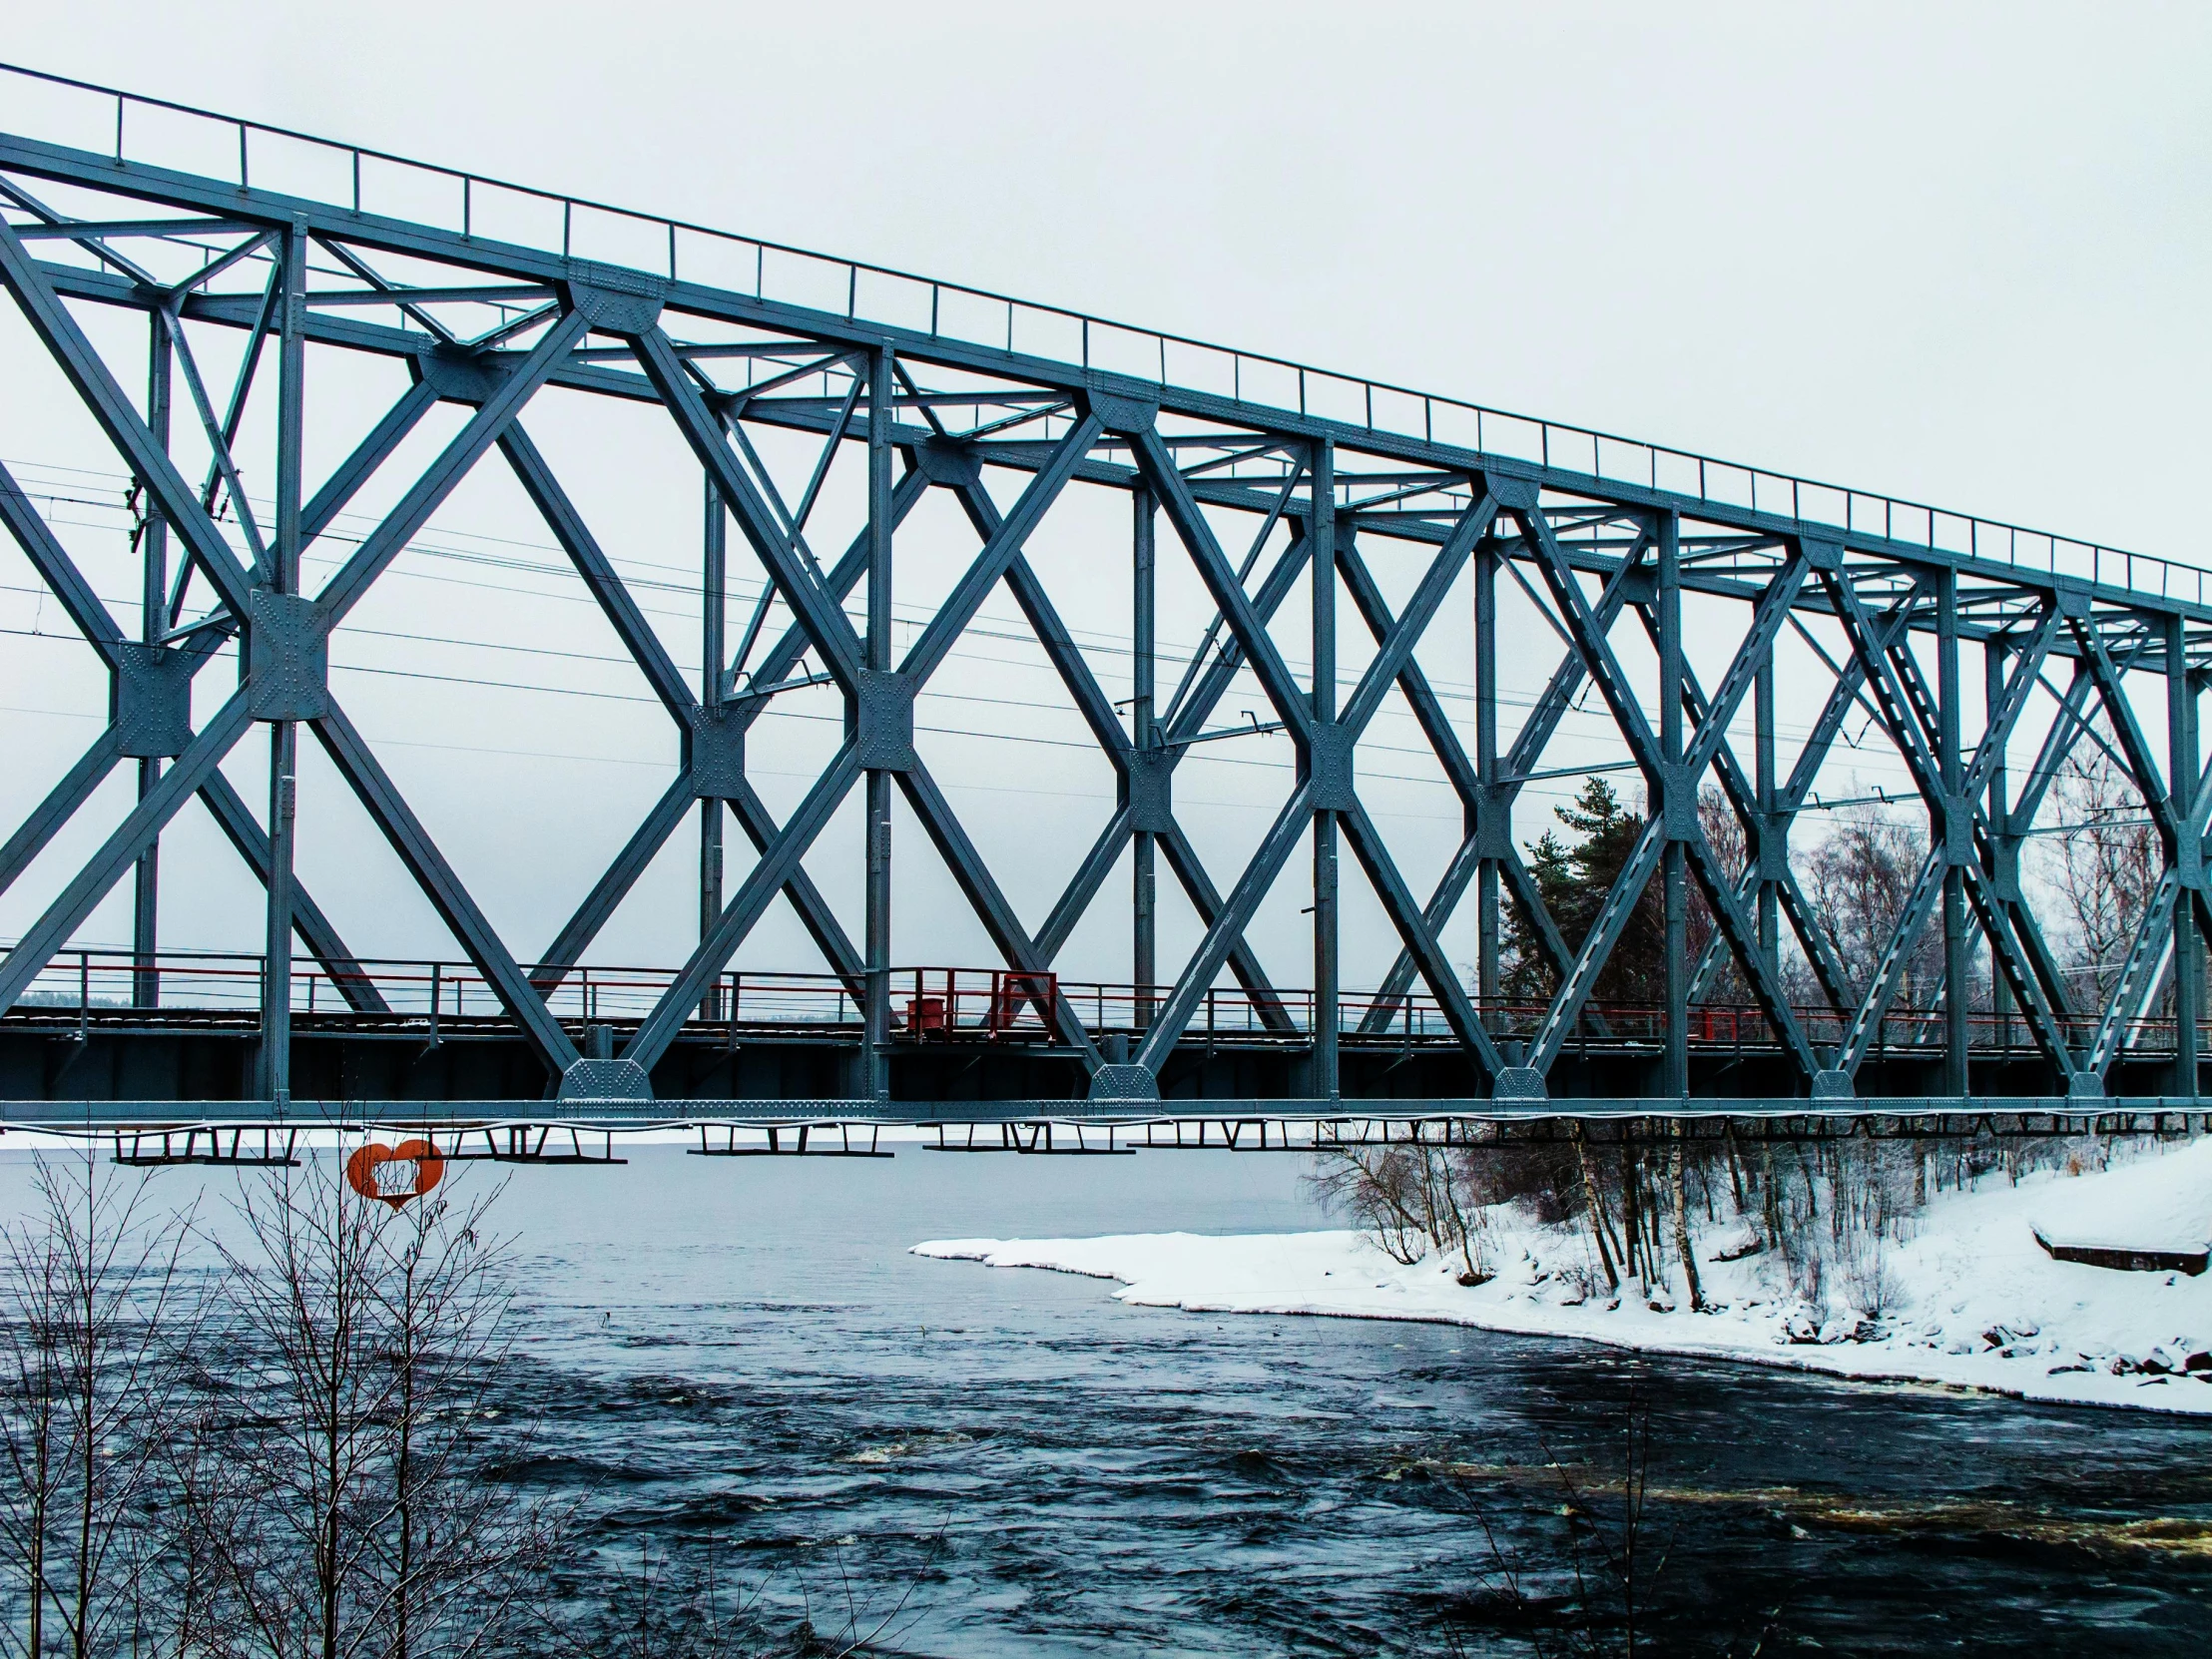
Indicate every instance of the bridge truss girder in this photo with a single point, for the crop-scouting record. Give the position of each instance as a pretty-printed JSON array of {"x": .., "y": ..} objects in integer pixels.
[{"x": 485, "y": 326}]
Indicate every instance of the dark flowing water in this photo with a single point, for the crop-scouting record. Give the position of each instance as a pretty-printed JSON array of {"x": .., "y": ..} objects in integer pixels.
[
  {"x": 743, "y": 1347},
  {"x": 739, "y": 1355}
]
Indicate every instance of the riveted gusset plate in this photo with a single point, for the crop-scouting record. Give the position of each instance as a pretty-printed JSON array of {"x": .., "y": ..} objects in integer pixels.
[{"x": 153, "y": 701}]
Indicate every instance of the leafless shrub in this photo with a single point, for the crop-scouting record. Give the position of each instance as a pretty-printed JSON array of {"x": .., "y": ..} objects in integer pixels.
[
  {"x": 2104, "y": 862},
  {"x": 92, "y": 1309},
  {"x": 1412, "y": 1200},
  {"x": 1858, "y": 878},
  {"x": 350, "y": 1510}
]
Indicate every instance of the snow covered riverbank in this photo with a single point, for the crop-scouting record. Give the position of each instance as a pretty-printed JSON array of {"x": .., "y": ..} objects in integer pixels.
[{"x": 1970, "y": 1299}]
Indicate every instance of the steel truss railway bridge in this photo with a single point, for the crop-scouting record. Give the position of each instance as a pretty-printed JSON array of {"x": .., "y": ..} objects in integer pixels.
[{"x": 1365, "y": 508}]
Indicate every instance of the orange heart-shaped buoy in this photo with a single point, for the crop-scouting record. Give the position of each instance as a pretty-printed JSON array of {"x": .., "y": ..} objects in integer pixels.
[{"x": 394, "y": 1173}]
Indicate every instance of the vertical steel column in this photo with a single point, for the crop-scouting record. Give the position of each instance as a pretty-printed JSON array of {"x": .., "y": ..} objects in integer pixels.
[
  {"x": 877, "y": 1013},
  {"x": 146, "y": 978},
  {"x": 2181, "y": 779},
  {"x": 1957, "y": 944},
  {"x": 1674, "y": 871},
  {"x": 1762, "y": 705},
  {"x": 1487, "y": 832},
  {"x": 1994, "y": 652},
  {"x": 283, "y": 735},
  {"x": 1144, "y": 950},
  {"x": 714, "y": 617},
  {"x": 1326, "y": 1084}
]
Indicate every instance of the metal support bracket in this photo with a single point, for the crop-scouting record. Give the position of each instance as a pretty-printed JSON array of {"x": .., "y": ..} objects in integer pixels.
[
  {"x": 605, "y": 1080},
  {"x": 718, "y": 752},
  {"x": 1331, "y": 756},
  {"x": 153, "y": 699},
  {"x": 288, "y": 658},
  {"x": 886, "y": 741},
  {"x": 1124, "y": 1082},
  {"x": 1152, "y": 790}
]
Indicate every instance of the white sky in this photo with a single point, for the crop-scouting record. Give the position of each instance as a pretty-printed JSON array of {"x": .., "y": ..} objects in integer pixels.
[{"x": 1957, "y": 253}]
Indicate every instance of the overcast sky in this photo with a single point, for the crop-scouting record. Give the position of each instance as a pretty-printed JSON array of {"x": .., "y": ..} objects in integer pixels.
[{"x": 1953, "y": 253}]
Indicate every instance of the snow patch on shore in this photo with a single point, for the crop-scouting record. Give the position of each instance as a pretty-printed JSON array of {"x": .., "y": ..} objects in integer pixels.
[{"x": 1970, "y": 1300}]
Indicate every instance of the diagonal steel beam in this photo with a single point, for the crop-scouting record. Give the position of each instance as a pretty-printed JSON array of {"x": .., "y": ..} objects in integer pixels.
[
  {"x": 608, "y": 892},
  {"x": 444, "y": 889},
  {"x": 814, "y": 913},
  {"x": 1589, "y": 637},
  {"x": 2057, "y": 743},
  {"x": 59, "y": 571},
  {"x": 493, "y": 416},
  {"x": 2149, "y": 776},
  {"x": 1450, "y": 887},
  {"x": 1889, "y": 971},
  {"x": 1605, "y": 931},
  {"x": 827, "y": 626},
  {"x": 119, "y": 418},
  {"x": 1083, "y": 885},
  {"x": 1557, "y": 697},
  {"x": 1004, "y": 544},
  {"x": 367, "y": 455},
  {"x": 983, "y": 896},
  {"x": 1278, "y": 500},
  {"x": 1731, "y": 924},
  {"x": 1091, "y": 701},
  {"x": 1173, "y": 491},
  {"x": 1174, "y": 1014},
  {"x": 1893, "y": 702},
  {"x": 1413, "y": 683},
  {"x": 121, "y": 849},
  {"x": 2042, "y": 1020},
  {"x": 1396, "y": 651},
  {"x": 1413, "y": 929},
  {"x": 1205, "y": 900},
  {"x": 315, "y": 930},
  {"x": 598, "y": 572},
  {"x": 1213, "y": 685},
  {"x": 218, "y": 439},
  {"x": 60, "y": 806},
  {"x": 784, "y": 656},
  {"x": 1766, "y": 622},
  {"x": 2138, "y": 984},
  {"x": 769, "y": 877}
]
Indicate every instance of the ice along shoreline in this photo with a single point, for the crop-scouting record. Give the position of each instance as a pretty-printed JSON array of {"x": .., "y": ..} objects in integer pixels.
[{"x": 1970, "y": 1300}]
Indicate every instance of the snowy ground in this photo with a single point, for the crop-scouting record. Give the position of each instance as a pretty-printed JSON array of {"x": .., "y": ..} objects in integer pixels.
[{"x": 1970, "y": 1300}]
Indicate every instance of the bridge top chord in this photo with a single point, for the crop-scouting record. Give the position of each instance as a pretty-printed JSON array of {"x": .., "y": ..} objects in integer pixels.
[{"x": 1199, "y": 376}]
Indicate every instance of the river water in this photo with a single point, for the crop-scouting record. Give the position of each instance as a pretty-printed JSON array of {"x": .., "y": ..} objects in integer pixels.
[
  {"x": 738, "y": 1362},
  {"x": 1012, "y": 1462}
]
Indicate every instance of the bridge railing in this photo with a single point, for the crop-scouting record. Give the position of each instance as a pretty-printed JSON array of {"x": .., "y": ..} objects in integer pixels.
[
  {"x": 939, "y": 1004},
  {"x": 230, "y": 983},
  {"x": 108, "y": 122}
]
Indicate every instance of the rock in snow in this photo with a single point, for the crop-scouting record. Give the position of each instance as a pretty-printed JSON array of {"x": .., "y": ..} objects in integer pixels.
[{"x": 1970, "y": 1299}]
